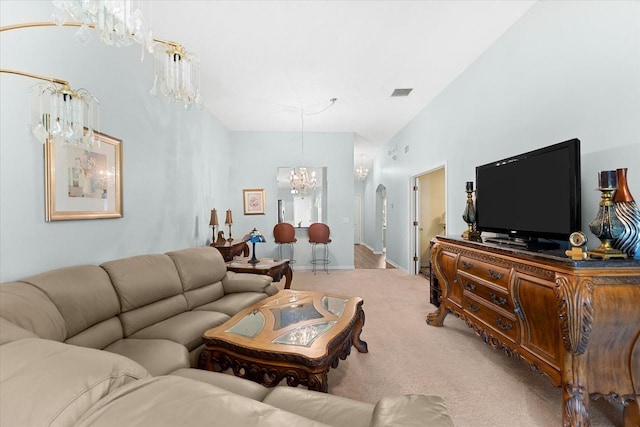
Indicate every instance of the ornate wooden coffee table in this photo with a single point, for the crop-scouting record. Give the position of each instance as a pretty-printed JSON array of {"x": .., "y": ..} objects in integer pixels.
[{"x": 297, "y": 335}]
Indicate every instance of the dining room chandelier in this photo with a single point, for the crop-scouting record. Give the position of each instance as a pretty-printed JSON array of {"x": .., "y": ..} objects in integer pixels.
[
  {"x": 177, "y": 76},
  {"x": 361, "y": 171},
  {"x": 301, "y": 181}
]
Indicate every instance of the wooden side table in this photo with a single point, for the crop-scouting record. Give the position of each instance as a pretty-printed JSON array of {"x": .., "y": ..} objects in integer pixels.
[
  {"x": 276, "y": 268},
  {"x": 229, "y": 250}
]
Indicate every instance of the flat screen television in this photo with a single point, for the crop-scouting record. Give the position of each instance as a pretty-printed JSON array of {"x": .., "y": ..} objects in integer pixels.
[{"x": 531, "y": 196}]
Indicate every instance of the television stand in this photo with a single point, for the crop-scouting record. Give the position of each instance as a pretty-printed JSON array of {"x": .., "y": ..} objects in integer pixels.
[
  {"x": 576, "y": 322},
  {"x": 528, "y": 244}
]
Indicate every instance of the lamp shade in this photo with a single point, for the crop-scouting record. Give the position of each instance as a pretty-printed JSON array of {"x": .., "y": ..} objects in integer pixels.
[
  {"x": 256, "y": 237},
  {"x": 228, "y": 219},
  {"x": 214, "y": 218}
]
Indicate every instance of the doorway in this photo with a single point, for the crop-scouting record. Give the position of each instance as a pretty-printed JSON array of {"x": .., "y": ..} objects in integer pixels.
[{"x": 430, "y": 217}]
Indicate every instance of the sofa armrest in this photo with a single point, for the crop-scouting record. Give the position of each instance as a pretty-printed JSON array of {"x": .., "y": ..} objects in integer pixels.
[
  {"x": 411, "y": 410},
  {"x": 246, "y": 282}
]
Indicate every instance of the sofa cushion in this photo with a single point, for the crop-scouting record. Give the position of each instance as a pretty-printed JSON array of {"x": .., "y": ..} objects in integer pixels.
[
  {"x": 412, "y": 410},
  {"x": 244, "y": 282},
  {"x": 159, "y": 357},
  {"x": 232, "y": 303},
  {"x": 93, "y": 301},
  {"x": 12, "y": 332},
  {"x": 143, "y": 279},
  {"x": 323, "y": 407},
  {"x": 170, "y": 401},
  {"x": 228, "y": 382},
  {"x": 44, "y": 382},
  {"x": 99, "y": 335},
  {"x": 198, "y": 267},
  {"x": 185, "y": 328},
  {"x": 29, "y": 308}
]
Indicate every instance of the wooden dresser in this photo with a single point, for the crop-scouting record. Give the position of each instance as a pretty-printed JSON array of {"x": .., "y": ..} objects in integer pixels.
[{"x": 576, "y": 322}]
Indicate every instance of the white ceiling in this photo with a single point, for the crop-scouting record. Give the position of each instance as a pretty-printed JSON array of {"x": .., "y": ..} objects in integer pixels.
[{"x": 265, "y": 62}]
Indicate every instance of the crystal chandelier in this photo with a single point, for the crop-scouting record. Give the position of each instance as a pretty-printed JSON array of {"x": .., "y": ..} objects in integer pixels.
[
  {"x": 118, "y": 22},
  {"x": 361, "y": 171},
  {"x": 301, "y": 182},
  {"x": 177, "y": 75},
  {"x": 64, "y": 115},
  {"x": 121, "y": 23}
]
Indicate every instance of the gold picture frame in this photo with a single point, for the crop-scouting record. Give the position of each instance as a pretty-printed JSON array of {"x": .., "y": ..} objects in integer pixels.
[
  {"x": 83, "y": 184},
  {"x": 253, "y": 201}
]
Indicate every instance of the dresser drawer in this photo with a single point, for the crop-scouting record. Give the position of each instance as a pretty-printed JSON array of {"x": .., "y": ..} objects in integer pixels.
[
  {"x": 495, "y": 295},
  {"x": 497, "y": 275},
  {"x": 498, "y": 320}
]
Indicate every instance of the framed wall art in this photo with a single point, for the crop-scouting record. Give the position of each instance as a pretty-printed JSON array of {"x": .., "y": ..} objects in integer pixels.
[
  {"x": 254, "y": 201},
  {"x": 83, "y": 184}
]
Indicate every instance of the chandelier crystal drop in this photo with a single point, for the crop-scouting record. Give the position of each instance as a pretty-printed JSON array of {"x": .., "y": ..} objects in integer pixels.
[
  {"x": 301, "y": 182},
  {"x": 177, "y": 75},
  {"x": 118, "y": 22},
  {"x": 64, "y": 115}
]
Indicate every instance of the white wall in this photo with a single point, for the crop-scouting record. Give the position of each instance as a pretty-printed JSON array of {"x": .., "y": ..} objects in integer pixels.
[
  {"x": 258, "y": 155},
  {"x": 175, "y": 162},
  {"x": 565, "y": 70}
]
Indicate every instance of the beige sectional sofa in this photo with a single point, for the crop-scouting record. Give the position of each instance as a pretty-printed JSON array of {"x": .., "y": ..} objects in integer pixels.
[{"x": 115, "y": 345}]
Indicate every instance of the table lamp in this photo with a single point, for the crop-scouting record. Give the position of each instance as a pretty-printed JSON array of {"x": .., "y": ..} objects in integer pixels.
[
  {"x": 228, "y": 221},
  {"x": 213, "y": 223},
  {"x": 255, "y": 237}
]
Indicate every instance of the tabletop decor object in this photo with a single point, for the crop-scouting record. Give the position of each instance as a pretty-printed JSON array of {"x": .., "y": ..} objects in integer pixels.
[
  {"x": 606, "y": 226},
  {"x": 628, "y": 213},
  {"x": 213, "y": 222},
  {"x": 255, "y": 237},
  {"x": 228, "y": 221},
  {"x": 469, "y": 215}
]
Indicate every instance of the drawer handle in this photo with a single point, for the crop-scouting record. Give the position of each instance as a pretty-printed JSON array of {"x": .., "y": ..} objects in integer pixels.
[
  {"x": 469, "y": 286},
  {"x": 497, "y": 300},
  {"x": 504, "y": 326},
  {"x": 466, "y": 265},
  {"x": 473, "y": 308},
  {"x": 494, "y": 275}
]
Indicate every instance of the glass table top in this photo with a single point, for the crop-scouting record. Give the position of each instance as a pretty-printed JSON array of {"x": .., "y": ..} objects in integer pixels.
[{"x": 289, "y": 311}]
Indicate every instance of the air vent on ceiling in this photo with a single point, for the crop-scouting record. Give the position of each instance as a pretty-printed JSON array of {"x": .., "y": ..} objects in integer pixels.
[{"x": 401, "y": 92}]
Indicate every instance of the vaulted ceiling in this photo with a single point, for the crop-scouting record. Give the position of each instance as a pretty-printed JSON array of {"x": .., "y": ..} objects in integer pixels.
[{"x": 266, "y": 62}]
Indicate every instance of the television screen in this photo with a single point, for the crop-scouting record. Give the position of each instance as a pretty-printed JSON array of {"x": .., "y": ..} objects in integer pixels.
[{"x": 531, "y": 195}]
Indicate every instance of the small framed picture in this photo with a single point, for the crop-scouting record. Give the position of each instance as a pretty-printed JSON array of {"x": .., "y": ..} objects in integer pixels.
[
  {"x": 253, "y": 201},
  {"x": 83, "y": 184}
]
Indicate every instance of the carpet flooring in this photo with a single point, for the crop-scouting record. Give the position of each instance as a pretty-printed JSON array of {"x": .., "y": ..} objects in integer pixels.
[{"x": 481, "y": 386}]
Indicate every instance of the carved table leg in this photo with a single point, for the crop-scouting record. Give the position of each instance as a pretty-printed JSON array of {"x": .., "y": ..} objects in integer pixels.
[
  {"x": 288, "y": 275},
  {"x": 318, "y": 382},
  {"x": 360, "y": 345}
]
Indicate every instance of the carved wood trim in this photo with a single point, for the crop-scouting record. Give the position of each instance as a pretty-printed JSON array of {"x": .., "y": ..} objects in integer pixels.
[
  {"x": 575, "y": 311},
  {"x": 498, "y": 260}
]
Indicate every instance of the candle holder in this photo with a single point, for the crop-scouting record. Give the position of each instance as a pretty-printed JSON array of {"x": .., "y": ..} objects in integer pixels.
[
  {"x": 469, "y": 215},
  {"x": 606, "y": 226}
]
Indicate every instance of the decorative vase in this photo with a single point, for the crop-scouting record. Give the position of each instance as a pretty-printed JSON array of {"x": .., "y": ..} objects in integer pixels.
[{"x": 628, "y": 213}]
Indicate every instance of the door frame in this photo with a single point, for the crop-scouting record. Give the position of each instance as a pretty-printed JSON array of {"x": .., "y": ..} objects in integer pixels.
[{"x": 414, "y": 209}]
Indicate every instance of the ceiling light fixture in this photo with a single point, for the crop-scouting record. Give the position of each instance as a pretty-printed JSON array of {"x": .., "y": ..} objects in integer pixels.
[
  {"x": 361, "y": 171},
  {"x": 121, "y": 23},
  {"x": 301, "y": 181},
  {"x": 61, "y": 113}
]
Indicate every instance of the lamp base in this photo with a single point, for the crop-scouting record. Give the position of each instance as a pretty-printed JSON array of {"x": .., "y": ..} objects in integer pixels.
[{"x": 253, "y": 260}]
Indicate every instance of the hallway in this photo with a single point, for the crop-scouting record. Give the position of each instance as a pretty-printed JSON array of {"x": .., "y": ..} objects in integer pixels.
[{"x": 364, "y": 258}]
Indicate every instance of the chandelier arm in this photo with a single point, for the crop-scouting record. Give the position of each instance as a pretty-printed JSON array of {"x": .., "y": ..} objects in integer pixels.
[
  {"x": 64, "y": 83},
  {"x": 178, "y": 48}
]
